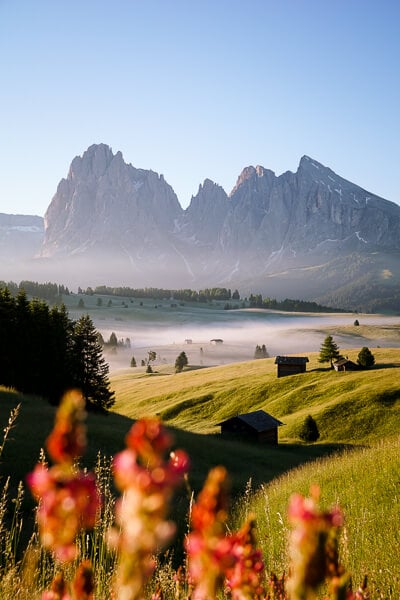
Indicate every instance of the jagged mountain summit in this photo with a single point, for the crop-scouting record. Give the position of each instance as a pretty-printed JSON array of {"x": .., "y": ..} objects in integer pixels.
[{"x": 309, "y": 234}]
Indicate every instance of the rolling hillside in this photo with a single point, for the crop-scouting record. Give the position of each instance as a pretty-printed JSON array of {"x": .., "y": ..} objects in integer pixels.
[{"x": 355, "y": 407}]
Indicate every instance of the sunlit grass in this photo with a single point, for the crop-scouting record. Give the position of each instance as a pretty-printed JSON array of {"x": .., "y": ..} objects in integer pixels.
[
  {"x": 365, "y": 483},
  {"x": 350, "y": 407}
]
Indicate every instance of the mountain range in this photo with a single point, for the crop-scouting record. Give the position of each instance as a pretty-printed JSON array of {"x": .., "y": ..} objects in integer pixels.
[{"x": 309, "y": 234}]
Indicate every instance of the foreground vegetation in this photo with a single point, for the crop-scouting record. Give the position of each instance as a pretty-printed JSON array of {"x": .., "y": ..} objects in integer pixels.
[
  {"x": 117, "y": 560},
  {"x": 355, "y": 462}
]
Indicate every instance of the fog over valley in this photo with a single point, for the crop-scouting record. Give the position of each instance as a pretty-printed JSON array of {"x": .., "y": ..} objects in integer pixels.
[{"x": 194, "y": 331}]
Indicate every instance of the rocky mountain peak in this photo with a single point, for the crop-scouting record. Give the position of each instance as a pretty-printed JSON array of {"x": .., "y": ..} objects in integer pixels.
[{"x": 246, "y": 174}]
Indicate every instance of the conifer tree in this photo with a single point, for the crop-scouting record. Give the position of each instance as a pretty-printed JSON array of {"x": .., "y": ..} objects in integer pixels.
[
  {"x": 365, "y": 358},
  {"x": 90, "y": 370},
  {"x": 181, "y": 362},
  {"x": 309, "y": 430},
  {"x": 329, "y": 351},
  {"x": 8, "y": 338}
]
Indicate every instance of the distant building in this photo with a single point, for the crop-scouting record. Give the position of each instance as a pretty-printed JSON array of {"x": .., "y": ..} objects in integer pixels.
[
  {"x": 257, "y": 426},
  {"x": 344, "y": 364},
  {"x": 216, "y": 341},
  {"x": 188, "y": 341},
  {"x": 290, "y": 365}
]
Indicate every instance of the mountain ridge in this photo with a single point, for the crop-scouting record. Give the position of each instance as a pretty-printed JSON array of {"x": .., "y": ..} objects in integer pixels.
[{"x": 276, "y": 234}]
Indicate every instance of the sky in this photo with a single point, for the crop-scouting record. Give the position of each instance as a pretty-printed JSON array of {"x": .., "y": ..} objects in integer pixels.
[{"x": 197, "y": 89}]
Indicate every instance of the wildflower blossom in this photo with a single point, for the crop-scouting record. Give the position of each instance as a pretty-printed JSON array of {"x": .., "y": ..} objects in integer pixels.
[
  {"x": 147, "y": 478},
  {"x": 208, "y": 547},
  {"x": 68, "y": 498},
  {"x": 313, "y": 545},
  {"x": 67, "y": 441},
  {"x": 58, "y": 589},
  {"x": 245, "y": 577}
]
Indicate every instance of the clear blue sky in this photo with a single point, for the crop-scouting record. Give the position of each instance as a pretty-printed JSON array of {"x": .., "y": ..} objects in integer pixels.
[{"x": 198, "y": 88}]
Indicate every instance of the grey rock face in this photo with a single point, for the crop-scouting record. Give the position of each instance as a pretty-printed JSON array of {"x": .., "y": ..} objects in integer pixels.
[
  {"x": 108, "y": 206},
  {"x": 273, "y": 234}
]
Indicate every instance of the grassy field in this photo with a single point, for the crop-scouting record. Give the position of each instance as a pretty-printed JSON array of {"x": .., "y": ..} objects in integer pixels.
[
  {"x": 365, "y": 484},
  {"x": 351, "y": 407},
  {"x": 356, "y": 460}
]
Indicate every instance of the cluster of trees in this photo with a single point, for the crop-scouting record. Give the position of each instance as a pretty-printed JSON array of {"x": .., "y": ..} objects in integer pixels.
[
  {"x": 209, "y": 294},
  {"x": 188, "y": 295},
  {"x": 261, "y": 352},
  {"x": 52, "y": 292},
  {"x": 290, "y": 305},
  {"x": 329, "y": 352},
  {"x": 44, "y": 352}
]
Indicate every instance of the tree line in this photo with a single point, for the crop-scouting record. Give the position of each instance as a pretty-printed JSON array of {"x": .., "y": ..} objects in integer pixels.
[
  {"x": 52, "y": 292},
  {"x": 290, "y": 305},
  {"x": 188, "y": 295},
  {"x": 44, "y": 352}
]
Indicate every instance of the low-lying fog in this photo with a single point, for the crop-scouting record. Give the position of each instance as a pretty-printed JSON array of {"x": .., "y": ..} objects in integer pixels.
[{"x": 240, "y": 332}]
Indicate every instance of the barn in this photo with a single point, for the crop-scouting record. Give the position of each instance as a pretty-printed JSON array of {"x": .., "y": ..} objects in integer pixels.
[
  {"x": 290, "y": 365},
  {"x": 258, "y": 426}
]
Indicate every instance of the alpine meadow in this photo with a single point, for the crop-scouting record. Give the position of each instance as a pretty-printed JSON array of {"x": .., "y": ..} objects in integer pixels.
[
  {"x": 199, "y": 300},
  {"x": 192, "y": 387}
]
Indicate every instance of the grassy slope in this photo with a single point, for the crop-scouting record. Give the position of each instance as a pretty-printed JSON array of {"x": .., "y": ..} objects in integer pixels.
[
  {"x": 364, "y": 482},
  {"x": 358, "y": 408},
  {"x": 352, "y": 407}
]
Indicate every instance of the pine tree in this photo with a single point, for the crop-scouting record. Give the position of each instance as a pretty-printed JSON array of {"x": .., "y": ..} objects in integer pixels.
[
  {"x": 113, "y": 342},
  {"x": 329, "y": 351},
  {"x": 90, "y": 370},
  {"x": 60, "y": 355},
  {"x": 309, "y": 430},
  {"x": 181, "y": 362},
  {"x": 133, "y": 362},
  {"x": 8, "y": 338},
  {"x": 365, "y": 358}
]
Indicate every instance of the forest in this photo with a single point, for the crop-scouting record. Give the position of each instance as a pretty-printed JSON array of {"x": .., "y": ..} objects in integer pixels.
[{"x": 44, "y": 352}]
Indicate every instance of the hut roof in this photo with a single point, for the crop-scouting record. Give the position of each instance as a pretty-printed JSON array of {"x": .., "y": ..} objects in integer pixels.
[
  {"x": 258, "y": 420},
  {"x": 344, "y": 361},
  {"x": 291, "y": 360}
]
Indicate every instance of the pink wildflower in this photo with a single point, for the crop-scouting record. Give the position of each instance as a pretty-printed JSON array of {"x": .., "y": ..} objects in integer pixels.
[
  {"x": 68, "y": 502},
  {"x": 313, "y": 545},
  {"x": 208, "y": 547},
  {"x": 245, "y": 576},
  {"x": 68, "y": 499},
  {"x": 67, "y": 441},
  {"x": 146, "y": 476}
]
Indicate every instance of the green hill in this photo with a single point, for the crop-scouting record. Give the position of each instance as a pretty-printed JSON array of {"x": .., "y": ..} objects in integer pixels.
[
  {"x": 349, "y": 407},
  {"x": 356, "y": 460}
]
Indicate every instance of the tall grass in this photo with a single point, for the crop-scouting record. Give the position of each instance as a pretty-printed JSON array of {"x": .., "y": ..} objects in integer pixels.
[{"x": 365, "y": 483}]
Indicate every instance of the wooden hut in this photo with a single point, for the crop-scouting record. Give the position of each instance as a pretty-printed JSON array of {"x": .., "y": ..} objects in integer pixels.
[
  {"x": 258, "y": 426},
  {"x": 291, "y": 365},
  {"x": 344, "y": 364}
]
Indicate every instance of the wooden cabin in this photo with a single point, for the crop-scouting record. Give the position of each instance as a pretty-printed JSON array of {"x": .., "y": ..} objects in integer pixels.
[
  {"x": 257, "y": 426},
  {"x": 290, "y": 365},
  {"x": 344, "y": 364}
]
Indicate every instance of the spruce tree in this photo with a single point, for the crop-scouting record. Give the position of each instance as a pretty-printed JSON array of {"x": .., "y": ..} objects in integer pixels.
[
  {"x": 329, "y": 351},
  {"x": 309, "y": 430},
  {"x": 90, "y": 370},
  {"x": 181, "y": 362},
  {"x": 8, "y": 338},
  {"x": 365, "y": 358}
]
